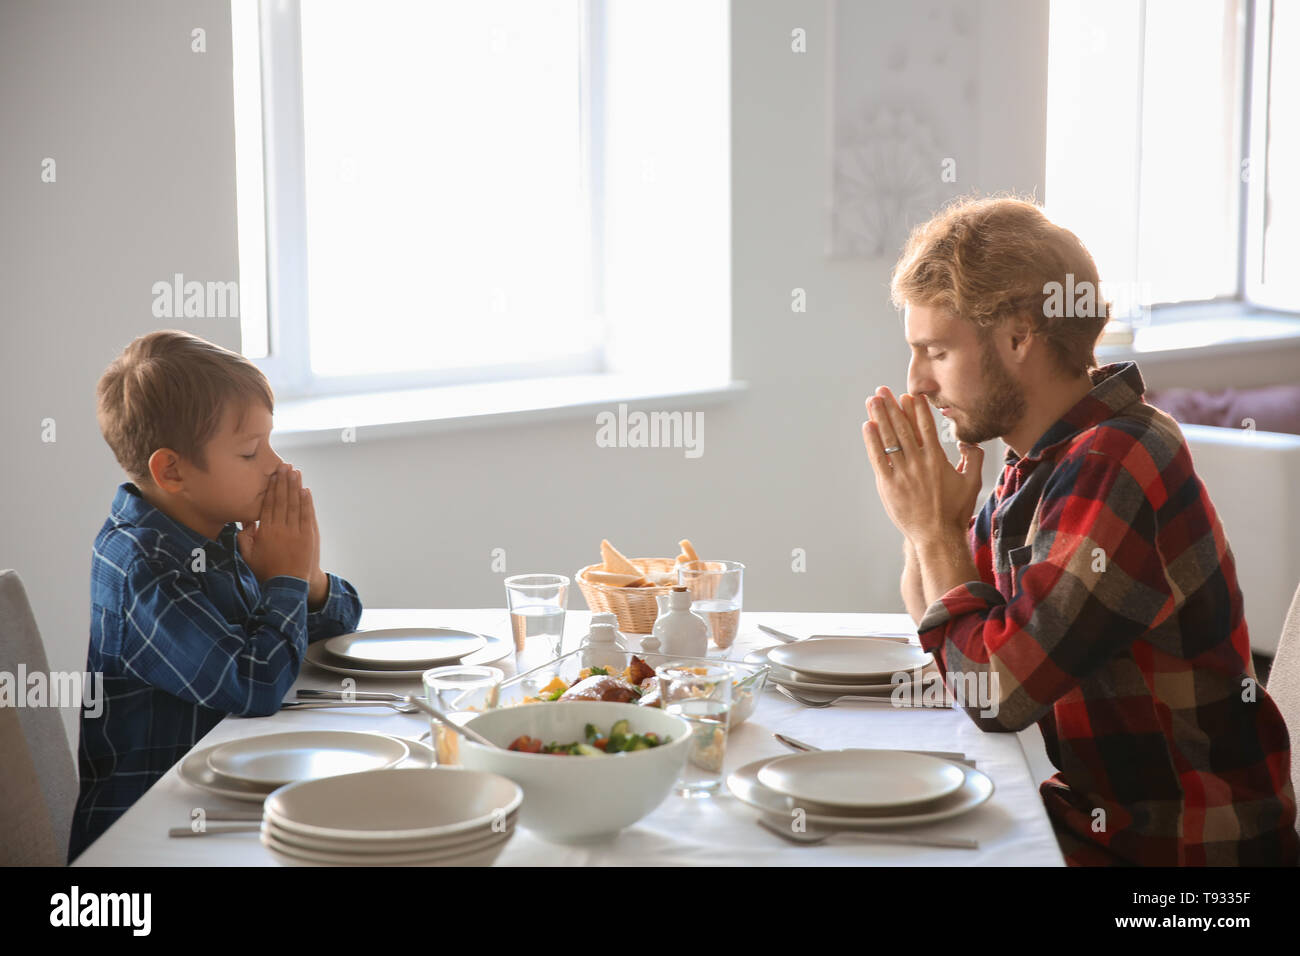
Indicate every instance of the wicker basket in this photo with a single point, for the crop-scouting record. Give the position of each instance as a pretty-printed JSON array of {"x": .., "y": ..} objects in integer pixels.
[{"x": 635, "y": 608}]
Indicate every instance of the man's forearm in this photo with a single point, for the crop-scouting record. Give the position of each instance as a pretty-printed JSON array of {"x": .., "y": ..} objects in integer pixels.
[
  {"x": 945, "y": 562},
  {"x": 913, "y": 593}
]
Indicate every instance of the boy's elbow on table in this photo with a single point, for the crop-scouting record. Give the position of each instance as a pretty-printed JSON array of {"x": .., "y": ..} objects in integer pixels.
[{"x": 259, "y": 697}]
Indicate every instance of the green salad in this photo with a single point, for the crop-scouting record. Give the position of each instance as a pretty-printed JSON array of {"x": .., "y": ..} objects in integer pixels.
[{"x": 620, "y": 739}]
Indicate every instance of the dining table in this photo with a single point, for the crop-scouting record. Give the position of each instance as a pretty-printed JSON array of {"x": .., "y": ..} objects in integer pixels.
[{"x": 1012, "y": 827}]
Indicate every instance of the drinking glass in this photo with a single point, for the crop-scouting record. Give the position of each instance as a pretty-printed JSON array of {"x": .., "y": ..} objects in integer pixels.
[
  {"x": 460, "y": 691},
  {"x": 717, "y": 590},
  {"x": 537, "y": 603},
  {"x": 701, "y": 694}
]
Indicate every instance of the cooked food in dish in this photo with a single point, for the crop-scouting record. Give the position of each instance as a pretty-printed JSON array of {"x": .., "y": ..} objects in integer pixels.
[
  {"x": 597, "y": 683},
  {"x": 603, "y": 687}
]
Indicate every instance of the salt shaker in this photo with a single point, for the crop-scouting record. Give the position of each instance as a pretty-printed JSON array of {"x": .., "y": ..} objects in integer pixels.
[
  {"x": 681, "y": 633},
  {"x": 604, "y": 647}
]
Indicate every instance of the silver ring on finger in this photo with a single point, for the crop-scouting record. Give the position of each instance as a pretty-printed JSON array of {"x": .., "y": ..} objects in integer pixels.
[{"x": 893, "y": 448}]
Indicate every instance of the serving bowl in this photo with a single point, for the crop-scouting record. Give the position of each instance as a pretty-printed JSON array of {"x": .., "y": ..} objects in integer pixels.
[{"x": 571, "y": 799}]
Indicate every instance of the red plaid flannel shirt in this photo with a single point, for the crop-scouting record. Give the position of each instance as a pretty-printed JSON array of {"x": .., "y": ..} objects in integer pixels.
[{"x": 1109, "y": 611}]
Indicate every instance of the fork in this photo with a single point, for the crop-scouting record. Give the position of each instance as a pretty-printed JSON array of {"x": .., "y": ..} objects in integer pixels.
[
  {"x": 245, "y": 816},
  {"x": 312, "y": 694},
  {"x": 211, "y": 831},
  {"x": 316, "y": 704},
  {"x": 818, "y": 837},
  {"x": 813, "y": 702}
]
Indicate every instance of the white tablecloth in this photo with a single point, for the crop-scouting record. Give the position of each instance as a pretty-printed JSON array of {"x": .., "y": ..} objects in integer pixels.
[{"x": 1012, "y": 827}]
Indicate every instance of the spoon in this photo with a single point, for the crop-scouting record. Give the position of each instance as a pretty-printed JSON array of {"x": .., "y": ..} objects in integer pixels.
[{"x": 421, "y": 704}]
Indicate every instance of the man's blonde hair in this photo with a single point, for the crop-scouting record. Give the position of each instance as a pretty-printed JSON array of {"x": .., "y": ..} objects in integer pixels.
[
  {"x": 169, "y": 390},
  {"x": 987, "y": 260}
]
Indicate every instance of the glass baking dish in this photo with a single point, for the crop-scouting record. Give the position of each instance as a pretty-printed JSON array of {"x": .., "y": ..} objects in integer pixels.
[{"x": 745, "y": 691}]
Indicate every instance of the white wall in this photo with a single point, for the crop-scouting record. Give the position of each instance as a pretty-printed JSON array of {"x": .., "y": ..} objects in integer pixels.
[{"x": 143, "y": 133}]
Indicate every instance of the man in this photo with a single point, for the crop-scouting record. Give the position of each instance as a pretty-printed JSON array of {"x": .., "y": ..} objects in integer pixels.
[{"x": 1095, "y": 593}]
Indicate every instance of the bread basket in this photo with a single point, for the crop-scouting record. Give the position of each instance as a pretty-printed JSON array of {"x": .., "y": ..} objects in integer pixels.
[{"x": 635, "y": 608}]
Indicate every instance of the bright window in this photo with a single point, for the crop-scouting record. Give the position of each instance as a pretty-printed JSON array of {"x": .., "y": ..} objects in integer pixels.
[
  {"x": 428, "y": 179},
  {"x": 1172, "y": 126}
]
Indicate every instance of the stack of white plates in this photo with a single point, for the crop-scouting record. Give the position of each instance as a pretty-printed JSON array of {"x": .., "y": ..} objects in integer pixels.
[
  {"x": 861, "y": 789},
  {"x": 404, "y": 653},
  {"x": 441, "y": 816},
  {"x": 251, "y": 767},
  {"x": 843, "y": 665}
]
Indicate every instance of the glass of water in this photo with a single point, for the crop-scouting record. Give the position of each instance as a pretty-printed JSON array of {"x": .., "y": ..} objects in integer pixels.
[
  {"x": 460, "y": 691},
  {"x": 537, "y": 603},
  {"x": 717, "y": 591},
  {"x": 701, "y": 694}
]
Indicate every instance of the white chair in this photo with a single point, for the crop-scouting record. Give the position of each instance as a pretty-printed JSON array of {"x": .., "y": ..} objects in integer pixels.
[
  {"x": 1252, "y": 478},
  {"x": 38, "y": 777},
  {"x": 1284, "y": 685}
]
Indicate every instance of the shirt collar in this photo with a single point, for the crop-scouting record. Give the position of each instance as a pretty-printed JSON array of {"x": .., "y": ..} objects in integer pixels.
[
  {"x": 1114, "y": 388},
  {"x": 131, "y": 508}
]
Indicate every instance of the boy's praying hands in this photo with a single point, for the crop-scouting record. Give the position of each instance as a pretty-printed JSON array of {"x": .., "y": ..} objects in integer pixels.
[{"x": 285, "y": 540}]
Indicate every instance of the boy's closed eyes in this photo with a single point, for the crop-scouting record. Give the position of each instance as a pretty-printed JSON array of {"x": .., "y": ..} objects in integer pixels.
[{"x": 240, "y": 462}]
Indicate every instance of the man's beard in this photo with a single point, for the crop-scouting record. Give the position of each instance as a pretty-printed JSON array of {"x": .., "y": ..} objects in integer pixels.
[{"x": 1001, "y": 405}]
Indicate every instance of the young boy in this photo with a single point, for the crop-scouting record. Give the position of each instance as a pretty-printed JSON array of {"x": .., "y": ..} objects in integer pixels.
[{"x": 191, "y": 618}]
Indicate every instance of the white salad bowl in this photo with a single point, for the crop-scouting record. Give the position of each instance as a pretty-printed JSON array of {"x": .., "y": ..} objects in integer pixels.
[{"x": 572, "y": 799}]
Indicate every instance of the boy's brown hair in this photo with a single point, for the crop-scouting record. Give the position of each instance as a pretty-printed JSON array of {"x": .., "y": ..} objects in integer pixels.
[
  {"x": 169, "y": 389},
  {"x": 987, "y": 260}
]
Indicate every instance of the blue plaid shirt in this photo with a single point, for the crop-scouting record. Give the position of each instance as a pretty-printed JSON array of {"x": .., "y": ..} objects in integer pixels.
[{"x": 180, "y": 649}]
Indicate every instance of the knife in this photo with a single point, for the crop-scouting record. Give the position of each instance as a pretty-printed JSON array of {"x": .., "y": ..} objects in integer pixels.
[
  {"x": 791, "y": 639},
  {"x": 946, "y": 754},
  {"x": 896, "y": 638},
  {"x": 779, "y": 635},
  {"x": 311, "y": 693}
]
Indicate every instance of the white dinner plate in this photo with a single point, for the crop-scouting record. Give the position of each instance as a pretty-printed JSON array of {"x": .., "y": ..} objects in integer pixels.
[
  {"x": 293, "y": 838},
  {"x": 476, "y": 854},
  {"x": 275, "y": 760},
  {"x": 846, "y": 658},
  {"x": 863, "y": 779},
  {"x": 496, "y": 649},
  {"x": 796, "y": 681},
  {"x": 404, "y": 648},
  {"x": 744, "y": 783},
  {"x": 195, "y": 771},
  {"x": 395, "y": 805}
]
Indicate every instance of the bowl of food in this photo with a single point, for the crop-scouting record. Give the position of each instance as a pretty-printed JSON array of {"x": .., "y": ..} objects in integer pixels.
[{"x": 588, "y": 768}]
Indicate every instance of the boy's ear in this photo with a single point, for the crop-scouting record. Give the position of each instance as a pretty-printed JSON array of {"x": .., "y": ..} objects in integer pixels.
[{"x": 164, "y": 469}]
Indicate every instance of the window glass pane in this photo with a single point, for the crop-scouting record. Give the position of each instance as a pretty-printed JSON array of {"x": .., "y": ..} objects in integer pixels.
[
  {"x": 1190, "y": 185},
  {"x": 446, "y": 223},
  {"x": 1281, "y": 266}
]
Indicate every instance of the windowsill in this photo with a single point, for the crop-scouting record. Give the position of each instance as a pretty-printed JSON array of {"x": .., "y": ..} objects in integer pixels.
[
  {"x": 1198, "y": 332},
  {"x": 412, "y": 412}
]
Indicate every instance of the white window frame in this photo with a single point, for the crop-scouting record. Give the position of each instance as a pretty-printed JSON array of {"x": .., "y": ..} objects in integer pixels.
[{"x": 288, "y": 363}]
